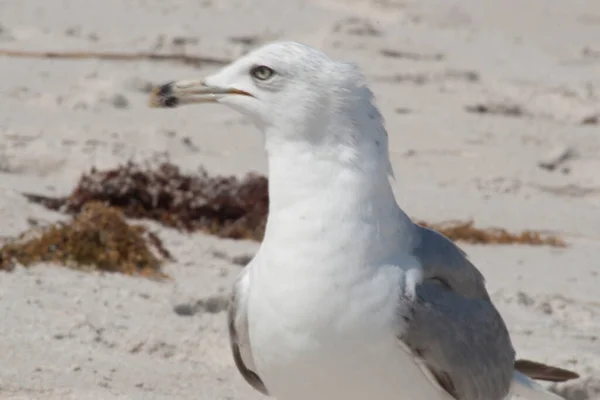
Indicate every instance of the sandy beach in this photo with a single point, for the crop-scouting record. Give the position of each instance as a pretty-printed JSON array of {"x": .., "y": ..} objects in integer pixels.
[{"x": 493, "y": 114}]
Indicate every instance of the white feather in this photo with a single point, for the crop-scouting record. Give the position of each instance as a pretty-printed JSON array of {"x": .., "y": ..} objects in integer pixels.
[{"x": 527, "y": 388}]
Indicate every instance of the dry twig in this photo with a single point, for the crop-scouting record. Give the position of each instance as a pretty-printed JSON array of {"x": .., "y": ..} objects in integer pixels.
[{"x": 115, "y": 56}]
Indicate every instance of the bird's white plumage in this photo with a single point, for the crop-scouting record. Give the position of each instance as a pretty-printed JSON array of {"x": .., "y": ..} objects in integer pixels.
[
  {"x": 346, "y": 298},
  {"x": 324, "y": 289}
]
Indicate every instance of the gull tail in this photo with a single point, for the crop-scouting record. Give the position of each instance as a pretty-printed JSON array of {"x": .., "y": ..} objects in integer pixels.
[
  {"x": 526, "y": 371},
  {"x": 543, "y": 372}
]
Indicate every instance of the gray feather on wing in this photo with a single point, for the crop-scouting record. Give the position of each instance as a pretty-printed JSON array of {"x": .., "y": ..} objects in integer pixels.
[
  {"x": 238, "y": 334},
  {"x": 442, "y": 259},
  {"x": 455, "y": 331}
]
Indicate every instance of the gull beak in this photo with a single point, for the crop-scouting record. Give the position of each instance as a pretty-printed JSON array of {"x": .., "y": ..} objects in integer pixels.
[{"x": 178, "y": 93}]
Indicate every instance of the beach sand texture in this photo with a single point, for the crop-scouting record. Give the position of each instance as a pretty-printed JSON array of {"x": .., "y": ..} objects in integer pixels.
[{"x": 493, "y": 113}]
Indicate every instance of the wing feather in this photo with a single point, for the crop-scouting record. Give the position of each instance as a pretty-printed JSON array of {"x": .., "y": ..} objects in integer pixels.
[
  {"x": 442, "y": 259},
  {"x": 455, "y": 330},
  {"x": 456, "y": 333},
  {"x": 238, "y": 333},
  {"x": 462, "y": 341}
]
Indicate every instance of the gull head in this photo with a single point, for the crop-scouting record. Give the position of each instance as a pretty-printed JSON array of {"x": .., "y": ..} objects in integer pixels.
[{"x": 291, "y": 91}]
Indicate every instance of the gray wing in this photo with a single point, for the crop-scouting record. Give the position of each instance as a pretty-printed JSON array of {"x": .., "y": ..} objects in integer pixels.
[
  {"x": 238, "y": 332},
  {"x": 442, "y": 259},
  {"x": 455, "y": 332}
]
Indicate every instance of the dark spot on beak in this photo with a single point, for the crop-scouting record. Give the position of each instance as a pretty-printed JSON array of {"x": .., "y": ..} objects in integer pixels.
[
  {"x": 171, "y": 102},
  {"x": 165, "y": 90}
]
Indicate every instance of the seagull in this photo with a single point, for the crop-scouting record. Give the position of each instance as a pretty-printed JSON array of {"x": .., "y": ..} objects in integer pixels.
[{"x": 347, "y": 298}]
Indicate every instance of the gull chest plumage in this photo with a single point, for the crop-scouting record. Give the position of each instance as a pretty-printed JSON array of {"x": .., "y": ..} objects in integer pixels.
[
  {"x": 323, "y": 327},
  {"x": 323, "y": 309},
  {"x": 346, "y": 298},
  {"x": 312, "y": 343}
]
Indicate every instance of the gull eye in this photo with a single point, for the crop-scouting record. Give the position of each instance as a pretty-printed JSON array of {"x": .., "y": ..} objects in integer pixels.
[{"x": 261, "y": 72}]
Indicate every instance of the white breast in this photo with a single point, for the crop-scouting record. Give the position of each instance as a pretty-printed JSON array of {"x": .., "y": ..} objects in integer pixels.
[{"x": 312, "y": 340}]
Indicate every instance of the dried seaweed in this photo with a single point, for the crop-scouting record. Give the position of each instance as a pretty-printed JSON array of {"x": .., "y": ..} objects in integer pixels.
[
  {"x": 223, "y": 206},
  {"x": 97, "y": 238},
  {"x": 466, "y": 231}
]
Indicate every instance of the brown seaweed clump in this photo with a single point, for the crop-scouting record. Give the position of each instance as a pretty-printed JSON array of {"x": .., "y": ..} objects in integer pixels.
[
  {"x": 98, "y": 238},
  {"x": 466, "y": 231},
  {"x": 223, "y": 206}
]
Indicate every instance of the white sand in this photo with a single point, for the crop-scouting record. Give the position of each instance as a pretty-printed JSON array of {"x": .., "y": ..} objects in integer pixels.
[{"x": 72, "y": 335}]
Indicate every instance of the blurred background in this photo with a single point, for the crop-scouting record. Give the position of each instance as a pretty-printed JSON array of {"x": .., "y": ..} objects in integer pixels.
[{"x": 122, "y": 227}]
